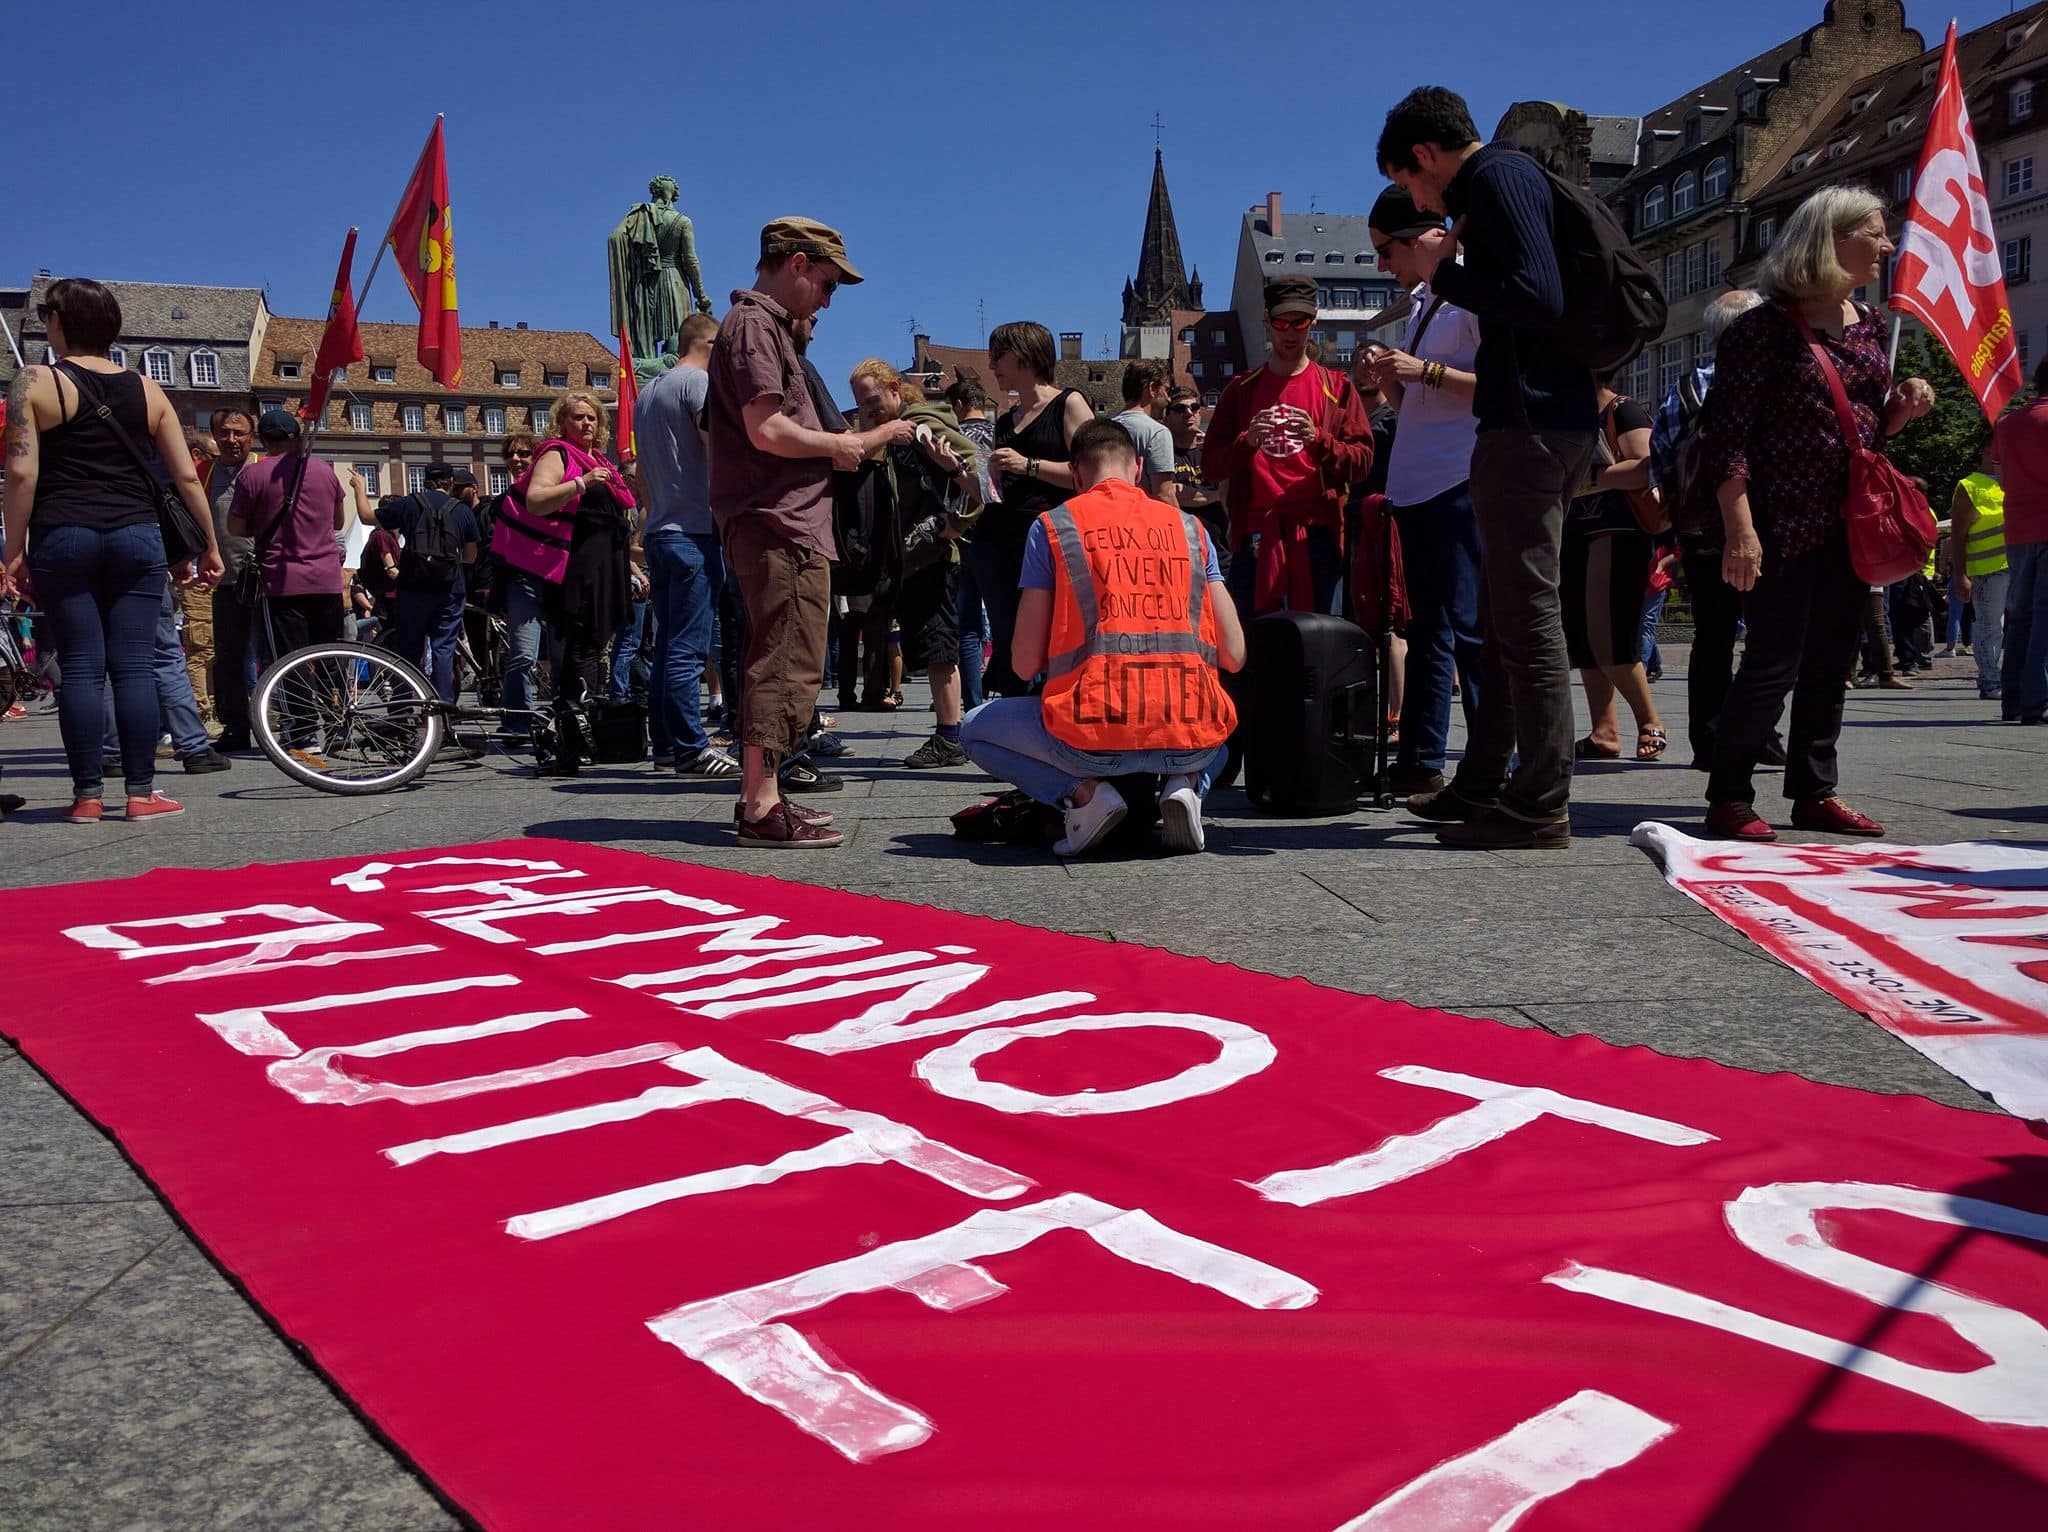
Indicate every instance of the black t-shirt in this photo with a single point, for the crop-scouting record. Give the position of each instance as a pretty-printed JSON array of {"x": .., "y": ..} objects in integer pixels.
[
  {"x": 1607, "y": 510},
  {"x": 403, "y": 513}
]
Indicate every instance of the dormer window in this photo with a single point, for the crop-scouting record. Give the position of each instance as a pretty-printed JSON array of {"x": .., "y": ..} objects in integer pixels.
[
  {"x": 1276, "y": 257},
  {"x": 287, "y": 369},
  {"x": 2019, "y": 100},
  {"x": 1304, "y": 257},
  {"x": 156, "y": 364},
  {"x": 1751, "y": 102},
  {"x": 1714, "y": 183},
  {"x": 1897, "y": 125},
  {"x": 2014, "y": 36},
  {"x": 1692, "y": 130},
  {"x": 1685, "y": 195},
  {"x": 383, "y": 374},
  {"x": 205, "y": 369},
  {"x": 1862, "y": 102},
  {"x": 1653, "y": 207},
  {"x": 118, "y": 355},
  {"x": 1929, "y": 71}
]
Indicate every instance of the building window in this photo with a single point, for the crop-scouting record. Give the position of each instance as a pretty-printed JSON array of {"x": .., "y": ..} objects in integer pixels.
[
  {"x": 2019, "y": 175},
  {"x": 1366, "y": 258},
  {"x": 1334, "y": 258},
  {"x": 2020, "y": 340},
  {"x": 555, "y": 379},
  {"x": 268, "y": 404},
  {"x": 1674, "y": 274},
  {"x": 1902, "y": 183},
  {"x": 1685, "y": 194},
  {"x": 1343, "y": 297},
  {"x": 1714, "y": 184},
  {"x": 1929, "y": 71},
  {"x": 1672, "y": 367},
  {"x": 494, "y": 420},
  {"x": 454, "y": 420},
  {"x": 1194, "y": 369},
  {"x": 371, "y": 478},
  {"x": 1304, "y": 257},
  {"x": 1229, "y": 369},
  {"x": 499, "y": 480},
  {"x": 360, "y": 416},
  {"x": 508, "y": 377},
  {"x": 383, "y": 374},
  {"x": 1653, "y": 207},
  {"x": 2020, "y": 100},
  {"x": 1752, "y": 102},
  {"x": 412, "y": 418},
  {"x": 1275, "y": 257},
  {"x": 205, "y": 367},
  {"x": 537, "y": 418},
  {"x": 1695, "y": 267},
  {"x": 1713, "y": 263},
  {"x": 1218, "y": 337},
  {"x": 288, "y": 369},
  {"x": 1766, "y": 233},
  {"x": 118, "y": 355},
  {"x": 1862, "y": 102},
  {"x": 1187, "y": 336},
  {"x": 1896, "y": 126},
  {"x": 2019, "y": 258},
  {"x": 415, "y": 480},
  {"x": 1322, "y": 297},
  {"x": 1692, "y": 131},
  {"x": 1209, "y": 398},
  {"x": 600, "y": 380},
  {"x": 1639, "y": 374}
]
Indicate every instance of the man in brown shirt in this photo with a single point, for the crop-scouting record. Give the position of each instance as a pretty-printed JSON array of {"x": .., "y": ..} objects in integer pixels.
[{"x": 771, "y": 495}]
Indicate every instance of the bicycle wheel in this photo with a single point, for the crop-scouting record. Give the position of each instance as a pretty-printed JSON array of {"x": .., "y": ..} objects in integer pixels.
[{"x": 347, "y": 718}]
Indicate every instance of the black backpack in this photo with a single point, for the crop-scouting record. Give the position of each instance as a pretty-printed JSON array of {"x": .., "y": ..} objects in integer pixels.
[
  {"x": 1613, "y": 303},
  {"x": 1693, "y": 504},
  {"x": 433, "y": 549}
]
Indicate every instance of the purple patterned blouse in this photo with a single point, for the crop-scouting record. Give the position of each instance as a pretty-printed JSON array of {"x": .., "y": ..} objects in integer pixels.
[{"x": 1770, "y": 418}]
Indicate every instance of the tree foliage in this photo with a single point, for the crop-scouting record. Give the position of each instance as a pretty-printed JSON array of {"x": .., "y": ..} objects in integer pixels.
[{"x": 1943, "y": 445}]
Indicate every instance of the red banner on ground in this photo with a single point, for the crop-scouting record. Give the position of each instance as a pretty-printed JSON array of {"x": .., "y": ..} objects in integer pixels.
[
  {"x": 1946, "y": 947},
  {"x": 627, "y": 1193}
]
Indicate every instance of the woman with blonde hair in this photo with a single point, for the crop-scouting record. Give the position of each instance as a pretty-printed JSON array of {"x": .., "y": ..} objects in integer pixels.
[
  {"x": 571, "y": 479},
  {"x": 1773, "y": 442}
]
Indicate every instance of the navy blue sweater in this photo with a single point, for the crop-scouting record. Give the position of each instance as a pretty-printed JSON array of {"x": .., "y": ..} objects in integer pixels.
[{"x": 1510, "y": 280}]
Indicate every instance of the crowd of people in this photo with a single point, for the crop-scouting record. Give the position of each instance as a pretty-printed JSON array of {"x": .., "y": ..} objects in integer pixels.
[{"x": 1077, "y": 589}]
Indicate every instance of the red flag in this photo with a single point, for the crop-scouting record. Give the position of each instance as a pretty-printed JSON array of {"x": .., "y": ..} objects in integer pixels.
[
  {"x": 421, "y": 236},
  {"x": 629, "y": 399},
  {"x": 1949, "y": 276},
  {"x": 341, "y": 342}
]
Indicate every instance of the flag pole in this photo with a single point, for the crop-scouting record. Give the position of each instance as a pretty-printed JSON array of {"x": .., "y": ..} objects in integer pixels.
[{"x": 1892, "y": 362}]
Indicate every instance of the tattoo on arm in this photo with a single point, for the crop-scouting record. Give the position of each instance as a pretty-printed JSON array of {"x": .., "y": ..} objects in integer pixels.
[{"x": 19, "y": 418}]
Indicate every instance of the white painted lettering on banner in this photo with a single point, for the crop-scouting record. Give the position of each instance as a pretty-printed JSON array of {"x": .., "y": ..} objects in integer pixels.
[{"x": 951, "y": 1070}]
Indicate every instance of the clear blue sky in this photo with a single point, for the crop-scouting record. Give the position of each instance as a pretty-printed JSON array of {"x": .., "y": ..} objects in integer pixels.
[{"x": 970, "y": 153}]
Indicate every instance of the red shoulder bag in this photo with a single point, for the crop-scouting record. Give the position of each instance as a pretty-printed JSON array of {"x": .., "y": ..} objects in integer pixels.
[{"x": 1891, "y": 528}]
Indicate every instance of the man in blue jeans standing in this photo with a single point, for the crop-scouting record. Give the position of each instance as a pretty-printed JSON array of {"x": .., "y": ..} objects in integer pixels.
[
  {"x": 684, "y": 564},
  {"x": 426, "y": 619}
]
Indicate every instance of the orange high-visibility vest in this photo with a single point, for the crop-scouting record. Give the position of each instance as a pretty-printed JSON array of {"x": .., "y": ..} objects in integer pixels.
[{"x": 1131, "y": 660}]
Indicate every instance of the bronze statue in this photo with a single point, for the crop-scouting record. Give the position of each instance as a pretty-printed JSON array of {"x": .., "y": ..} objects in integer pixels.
[{"x": 654, "y": 274}]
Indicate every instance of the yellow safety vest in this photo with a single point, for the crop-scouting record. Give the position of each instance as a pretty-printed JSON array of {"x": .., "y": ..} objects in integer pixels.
[{"x": 1984, "y": 549}]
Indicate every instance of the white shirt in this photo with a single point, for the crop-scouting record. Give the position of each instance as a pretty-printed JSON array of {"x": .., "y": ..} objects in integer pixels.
[{"x": 1433, "y": 443}]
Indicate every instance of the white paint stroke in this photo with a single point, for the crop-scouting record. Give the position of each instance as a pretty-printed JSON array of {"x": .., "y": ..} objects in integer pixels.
[
  {"x": 249, "y": 1029},
  {"x": 369, "y": 878},
  {"x": 887, "y": 1021},
  {"x": 271, "y": 958},
  {"x": 1243, "y": 1053}
]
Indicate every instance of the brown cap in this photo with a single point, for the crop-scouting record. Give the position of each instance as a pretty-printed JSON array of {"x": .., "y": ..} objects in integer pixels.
[
  {"x": 788, "y": 236},
  {"x": 1291, "y": 295}
]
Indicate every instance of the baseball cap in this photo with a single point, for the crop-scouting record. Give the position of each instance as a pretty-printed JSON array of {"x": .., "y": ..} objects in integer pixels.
[
  {"x": 1395, "y": 215},
  {"x": 278, "y": 425},
  {"x": 790, "y": 236},
  {"x": 441, "y": 473},
  {"x": 464, "y": 479},
  {"x": 1291, "y": 295}
]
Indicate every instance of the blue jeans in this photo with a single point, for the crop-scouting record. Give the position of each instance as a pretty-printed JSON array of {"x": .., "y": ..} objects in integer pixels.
[
  {"x": 625, "y": 650},
  {"x": 1440, "y": 553},
  {"x": 176, "y": 703},
  {"x": 104, "y": 592},
  {"x": 2023, "y": 673},
  {"x": 687, "y": 572},
  {"x": 1653, "y": 619},
  {"x": 524, "y": 617},
  {"x": 1987, "y": 591},
  {"x": 1007, "y": 738},
  {"x": 429, "y": 623},
  {"x": 973, "y": 635}
]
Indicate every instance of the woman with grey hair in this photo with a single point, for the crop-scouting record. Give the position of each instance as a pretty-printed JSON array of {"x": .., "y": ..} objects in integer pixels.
[{"x": 1773, "y": 443}]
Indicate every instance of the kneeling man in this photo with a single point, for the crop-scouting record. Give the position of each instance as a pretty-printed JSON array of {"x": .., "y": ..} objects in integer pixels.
[{"x": 1123, "y": 609}]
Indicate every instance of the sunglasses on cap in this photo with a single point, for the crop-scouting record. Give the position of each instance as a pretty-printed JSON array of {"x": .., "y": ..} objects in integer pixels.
[{"x": 1290, "y": 322}]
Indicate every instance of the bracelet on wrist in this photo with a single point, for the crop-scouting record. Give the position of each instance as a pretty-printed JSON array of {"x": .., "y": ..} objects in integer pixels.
[{"x": 1031, "y": 468}]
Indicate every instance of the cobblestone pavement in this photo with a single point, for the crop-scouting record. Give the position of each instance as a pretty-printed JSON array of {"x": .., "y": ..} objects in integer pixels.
[{"x": 138, "y": 1389}]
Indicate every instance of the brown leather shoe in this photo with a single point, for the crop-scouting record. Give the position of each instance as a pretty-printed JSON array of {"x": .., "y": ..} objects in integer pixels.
[
  {"x": 797, "y": 812},
  {"x": 1738, "y": 821},
  {"x": 1832, "y": 815},
  {"x": 1447, "y": 806},
  {"x": 780, "y": 830}
]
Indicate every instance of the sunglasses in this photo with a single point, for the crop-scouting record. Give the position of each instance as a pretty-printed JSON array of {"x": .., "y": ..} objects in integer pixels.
[
  {"x": 1290, "y": 322},
  {"x": 1180, "y": 409},
  {"x": 45, "y": 310}
]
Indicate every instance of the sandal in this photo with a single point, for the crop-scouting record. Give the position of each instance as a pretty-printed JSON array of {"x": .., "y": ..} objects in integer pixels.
[
  {"x": 1651, "y": 743},
  {"x": 891, "y": 701},
  {"x": 1588, "y": 749}
]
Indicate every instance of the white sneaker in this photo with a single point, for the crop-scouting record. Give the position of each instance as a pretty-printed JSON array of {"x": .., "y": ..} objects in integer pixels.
[
  {"x": 1180, "y": 815},
  {"x": 1087, "y": 823}
]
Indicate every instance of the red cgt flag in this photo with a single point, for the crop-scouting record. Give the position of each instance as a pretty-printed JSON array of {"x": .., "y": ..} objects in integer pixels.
[
  {"x": 421, "y": 237},
  {"x": 629, "y": 399},
  {"x": 1949, "y": 277},
  {"x": 341, "y": 342}
]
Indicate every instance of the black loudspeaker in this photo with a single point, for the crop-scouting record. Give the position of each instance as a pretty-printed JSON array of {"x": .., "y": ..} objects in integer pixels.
[
  {"x": 1307, "y": 701},
  {"x": 618, "y": 732}
]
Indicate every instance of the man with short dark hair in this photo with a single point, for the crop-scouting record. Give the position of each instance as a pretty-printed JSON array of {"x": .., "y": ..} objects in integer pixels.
[
  {"x": 441, "y": 537},
  {"x": 1289, "y": 438},
  {"x": 1123, "y": 609},
  {"x": 1145, "y": 390},
  {"x": 771, "y": 495},
  {"x": 1536, "y": 416},
  {"x": 234, "y": 433},
  {"x": 1192, "y": 489}
]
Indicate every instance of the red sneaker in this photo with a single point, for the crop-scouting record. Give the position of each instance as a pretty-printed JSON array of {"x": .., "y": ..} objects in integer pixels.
[
  {"x": 1737, "y": 821},
  {"x": 84, "y": 811},
  {"x": 155, "y": 806},
  {"x": 797, "y": 811},
  {"x": 1834, "y": 816},
  {"x": 780, "y": 830}
]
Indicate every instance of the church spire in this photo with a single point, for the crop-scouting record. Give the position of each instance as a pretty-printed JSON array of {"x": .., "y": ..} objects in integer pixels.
[{"x": 1161, "y": 285}]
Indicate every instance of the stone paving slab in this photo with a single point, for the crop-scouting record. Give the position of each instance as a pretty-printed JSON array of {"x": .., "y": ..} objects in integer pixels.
[{"x": 140, "y": 1390}]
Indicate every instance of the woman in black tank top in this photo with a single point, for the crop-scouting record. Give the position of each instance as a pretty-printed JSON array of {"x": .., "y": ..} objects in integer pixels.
[
  {"x": 82, "y": 535},
  {"x": 1029, "y": 464}
]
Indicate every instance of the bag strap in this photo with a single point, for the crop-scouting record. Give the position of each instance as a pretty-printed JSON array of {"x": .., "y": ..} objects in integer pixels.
[
  {"x": 105, "y": 412},
  {"x": 1852, "y": 437},
  {"x": 1415, "y": 336}
]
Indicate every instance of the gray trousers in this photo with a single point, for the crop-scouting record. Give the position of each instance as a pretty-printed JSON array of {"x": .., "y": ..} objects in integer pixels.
[{"x": 1521, "y": 481}]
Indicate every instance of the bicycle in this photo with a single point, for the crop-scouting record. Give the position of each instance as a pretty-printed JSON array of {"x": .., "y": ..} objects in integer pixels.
[
  {"x": 355, "y": 719},
  {"x": 18, "y": 682}
]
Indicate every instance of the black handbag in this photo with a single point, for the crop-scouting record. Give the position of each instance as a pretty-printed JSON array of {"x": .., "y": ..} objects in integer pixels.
[{"x": 184, "y": 538}]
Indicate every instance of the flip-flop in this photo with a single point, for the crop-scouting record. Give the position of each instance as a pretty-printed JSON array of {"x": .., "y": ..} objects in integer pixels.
[{"x": 1587, "y": 750}]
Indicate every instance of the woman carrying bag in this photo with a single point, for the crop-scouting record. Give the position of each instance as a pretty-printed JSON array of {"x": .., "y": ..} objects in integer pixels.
[{"x": 1773, "y": 438}]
